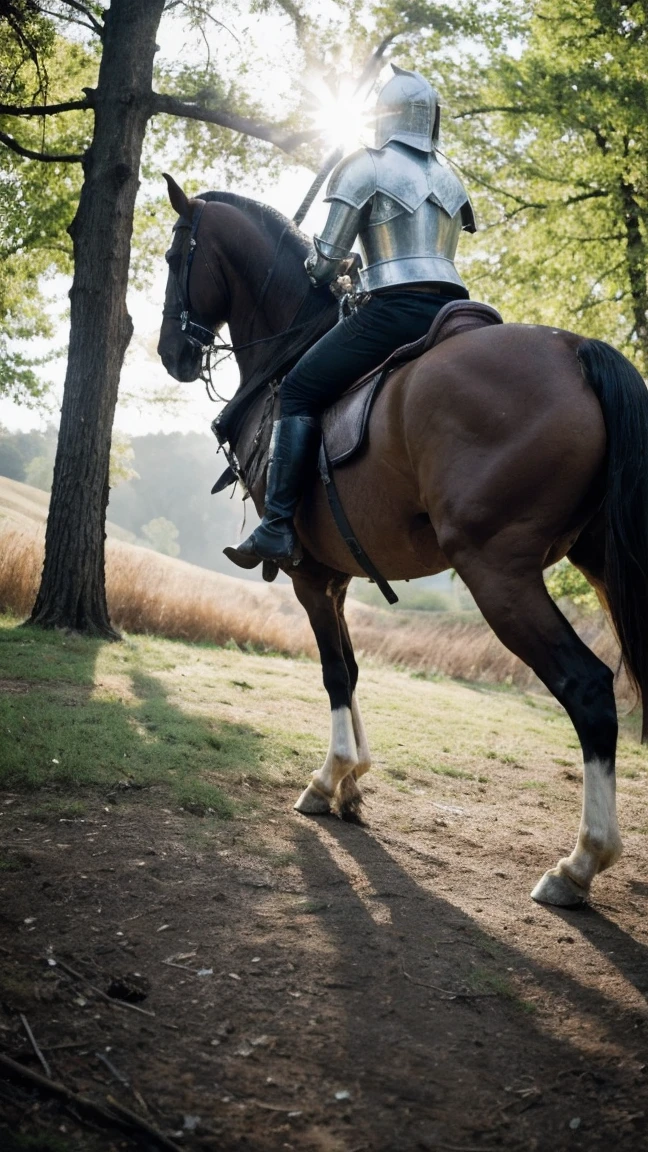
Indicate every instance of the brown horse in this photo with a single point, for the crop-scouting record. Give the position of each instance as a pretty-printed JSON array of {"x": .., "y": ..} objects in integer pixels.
[{"x": 496, "y": 453}]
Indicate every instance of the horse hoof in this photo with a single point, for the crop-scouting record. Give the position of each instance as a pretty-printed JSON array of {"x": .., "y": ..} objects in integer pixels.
[
  {"x": 556, "y": 888},
  {"x": 312, "y": 803},
  {"x": 349, "y": 800}
]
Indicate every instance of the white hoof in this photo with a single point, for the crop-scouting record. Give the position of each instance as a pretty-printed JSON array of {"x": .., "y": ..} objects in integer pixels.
[
  {"x": 312, "y": 803},
  {"x": 558, "y": 889}
]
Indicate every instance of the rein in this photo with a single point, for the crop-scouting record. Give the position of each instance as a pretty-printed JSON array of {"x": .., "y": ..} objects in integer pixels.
[{"x": 205, "y": 338}]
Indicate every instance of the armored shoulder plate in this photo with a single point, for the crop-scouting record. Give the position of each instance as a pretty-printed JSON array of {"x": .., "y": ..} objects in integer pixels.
[
  {"x": 399, "y": 178},
  {"x": 353, "y": 180}
]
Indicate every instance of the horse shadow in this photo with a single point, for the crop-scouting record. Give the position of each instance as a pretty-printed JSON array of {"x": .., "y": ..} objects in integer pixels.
[{"x": 471, "y": 1037}]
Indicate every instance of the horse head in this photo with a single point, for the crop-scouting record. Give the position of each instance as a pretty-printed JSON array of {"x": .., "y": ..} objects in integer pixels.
[
  {"x": 238, "y": 262},
  {"x": 196, "y": 301}
]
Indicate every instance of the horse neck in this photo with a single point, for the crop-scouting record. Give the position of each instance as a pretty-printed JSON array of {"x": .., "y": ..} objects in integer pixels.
[{"x": 257, "y": 310}]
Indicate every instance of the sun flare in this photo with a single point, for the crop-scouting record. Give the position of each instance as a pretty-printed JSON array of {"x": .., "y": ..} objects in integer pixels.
[{"x": 343, "y": 116}]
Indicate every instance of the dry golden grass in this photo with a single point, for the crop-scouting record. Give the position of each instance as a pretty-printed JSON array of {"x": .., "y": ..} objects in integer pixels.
[
  {"x": 151, "y": 593},
  {"x": 148, "y": 592}
]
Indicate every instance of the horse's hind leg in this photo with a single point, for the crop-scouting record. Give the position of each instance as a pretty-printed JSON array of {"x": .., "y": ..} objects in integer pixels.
[
  {"x": 512, "y": 596},
  {"x": 322, "y": 593}
]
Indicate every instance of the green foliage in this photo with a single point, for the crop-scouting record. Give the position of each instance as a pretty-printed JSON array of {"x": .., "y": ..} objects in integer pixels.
[
  {"x": 162, "y": 535},
  {"x": 19, "y": 450},
  {"x": 122, "y": 456},
  {"x": 37, "y": 201},
  {"x": 563, "y": 581},
  {"x": 40, "y": 470}
]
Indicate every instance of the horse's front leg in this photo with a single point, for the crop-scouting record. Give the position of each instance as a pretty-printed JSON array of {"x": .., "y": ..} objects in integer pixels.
[{"x": 322, "y": 592}]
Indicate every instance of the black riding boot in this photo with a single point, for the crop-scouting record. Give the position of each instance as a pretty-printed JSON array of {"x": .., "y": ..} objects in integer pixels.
[{"x": 295, "y": 440}]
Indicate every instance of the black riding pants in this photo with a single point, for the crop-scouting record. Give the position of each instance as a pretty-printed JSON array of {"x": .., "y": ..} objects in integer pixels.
[{"x": 355, "y": 345}]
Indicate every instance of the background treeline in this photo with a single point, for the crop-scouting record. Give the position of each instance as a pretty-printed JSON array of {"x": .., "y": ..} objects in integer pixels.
[{"x": 161, "y": 494}]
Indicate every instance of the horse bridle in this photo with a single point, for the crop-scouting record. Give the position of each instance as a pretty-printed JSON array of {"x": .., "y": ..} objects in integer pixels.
[{"x": 197, "y": 334}]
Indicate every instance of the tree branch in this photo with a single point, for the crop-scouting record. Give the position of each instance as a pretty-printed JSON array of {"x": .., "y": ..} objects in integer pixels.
[
  {"x": 79, "y": 7},
  {"x": 519, "y": 108},
  {"x": 273, "y": 134},
  {"x": 44, "y": 109},
  {"x": 67, "y": 19},
  {"x": 71, "y": 158}
]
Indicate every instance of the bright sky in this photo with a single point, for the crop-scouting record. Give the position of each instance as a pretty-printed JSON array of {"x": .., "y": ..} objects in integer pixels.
[{"x": 269, "y": 46}]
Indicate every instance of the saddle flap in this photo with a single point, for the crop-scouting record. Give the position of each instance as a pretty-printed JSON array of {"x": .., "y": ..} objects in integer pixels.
[{"x": 345, "y": 423}]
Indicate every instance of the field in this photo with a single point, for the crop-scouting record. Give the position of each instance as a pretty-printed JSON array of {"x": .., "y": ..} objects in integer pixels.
[
  {"x": 151, "y": 593},
  {"x": 306, "y": 984}
]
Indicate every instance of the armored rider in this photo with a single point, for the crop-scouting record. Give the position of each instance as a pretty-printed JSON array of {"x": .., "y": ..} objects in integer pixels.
[{"x": 407, "y": 211}]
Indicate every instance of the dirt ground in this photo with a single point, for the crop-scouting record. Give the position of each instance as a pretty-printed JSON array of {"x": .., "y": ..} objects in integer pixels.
[
  {"x": 312, "y": 985},
  {"x": 384, "y": 987}
]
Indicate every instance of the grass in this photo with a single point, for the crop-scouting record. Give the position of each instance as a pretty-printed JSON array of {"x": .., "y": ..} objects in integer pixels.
[
  {"x": 215, "y": 731},
  {"x": 99, "y": 715},
  {"x": 488, "y": 983}
]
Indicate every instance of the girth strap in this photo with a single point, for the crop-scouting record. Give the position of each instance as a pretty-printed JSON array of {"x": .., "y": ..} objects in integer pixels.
[{"x": 345, "y": 529}]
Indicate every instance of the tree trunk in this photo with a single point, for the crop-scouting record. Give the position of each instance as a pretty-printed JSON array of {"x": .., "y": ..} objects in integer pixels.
[
  {"x": 637, "y": 265},
  {"x": 72, "y": 592}
]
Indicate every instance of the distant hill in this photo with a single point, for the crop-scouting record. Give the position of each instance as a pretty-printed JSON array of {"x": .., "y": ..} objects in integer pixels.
[{"x": 20, "y": 503}]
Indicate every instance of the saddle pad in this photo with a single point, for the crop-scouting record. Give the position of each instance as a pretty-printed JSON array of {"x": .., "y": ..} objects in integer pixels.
[{"x": 344, "y": 424}]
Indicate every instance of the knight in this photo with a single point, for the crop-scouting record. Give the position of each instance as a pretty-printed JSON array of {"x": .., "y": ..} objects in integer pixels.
[{"x": 407, "y": 211}]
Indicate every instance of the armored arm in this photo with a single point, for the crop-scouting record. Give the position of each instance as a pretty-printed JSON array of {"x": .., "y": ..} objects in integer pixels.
[
  {"x": 350, "y": 188},
  {"x": 333, "y": 247}
]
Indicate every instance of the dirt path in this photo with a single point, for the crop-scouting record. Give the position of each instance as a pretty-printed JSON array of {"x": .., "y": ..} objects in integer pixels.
[{"x": 389, "y": 987}]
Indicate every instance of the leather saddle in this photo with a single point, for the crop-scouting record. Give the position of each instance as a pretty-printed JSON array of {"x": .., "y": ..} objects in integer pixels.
[{"x": 345, "y": 423}]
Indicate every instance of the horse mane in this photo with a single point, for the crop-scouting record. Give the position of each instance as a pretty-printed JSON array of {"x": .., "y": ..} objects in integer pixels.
[{"x": 317, "y": 311}]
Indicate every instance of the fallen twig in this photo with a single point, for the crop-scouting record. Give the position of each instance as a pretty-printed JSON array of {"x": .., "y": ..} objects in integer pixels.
[
  {"x": 68, "y": 1044},
  {"x": 119, "y": 1117},
  {"x": 113, "y": 1071},
  {"x": 185, "y": 967},
  {"x": 98, "y": 991},
  {"x": 448, "y": 995},
  {"x": 32, "y": 1040},
  {"x": 123, "y": 1080},
  {"x": 145, "y": 1125},
  {"x": 462, "y": 1147}
]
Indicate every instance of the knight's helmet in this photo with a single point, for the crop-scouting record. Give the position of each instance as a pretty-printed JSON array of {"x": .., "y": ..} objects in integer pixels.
[{"x": 407, "y": 110}]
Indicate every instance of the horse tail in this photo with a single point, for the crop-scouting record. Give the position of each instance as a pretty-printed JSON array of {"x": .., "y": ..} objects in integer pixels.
[{"x": 623, "y": 397}]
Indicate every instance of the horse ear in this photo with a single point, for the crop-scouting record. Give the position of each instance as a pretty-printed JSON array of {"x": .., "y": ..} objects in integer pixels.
[{"x": 179, "y": 199}]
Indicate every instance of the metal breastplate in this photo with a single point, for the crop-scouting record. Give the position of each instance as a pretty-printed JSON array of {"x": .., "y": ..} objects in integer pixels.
[{"x": 401, "y": 247}]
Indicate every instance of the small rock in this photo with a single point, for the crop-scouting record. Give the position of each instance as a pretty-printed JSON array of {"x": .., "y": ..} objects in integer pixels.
[
  {"x": 343, "y": 1094},
  {"x": 575, "y": 1123}
]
